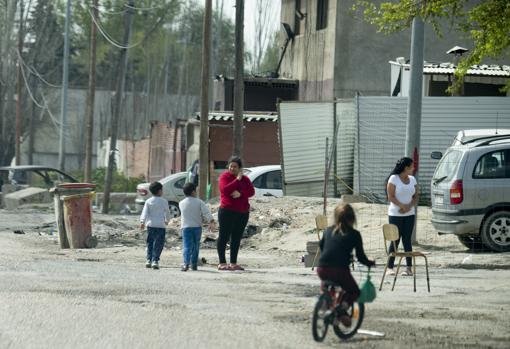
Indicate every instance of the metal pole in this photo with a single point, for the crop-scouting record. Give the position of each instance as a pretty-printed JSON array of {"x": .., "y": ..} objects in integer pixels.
[
  {"x": 18, "y": 87},
  {"x": 65, "y": 80},
  {"x": 89, "y": 114},
  {"x": 413, "y": 127},
  {"x": 326, "y": 175},
  {"x": 121, "y": 80}
]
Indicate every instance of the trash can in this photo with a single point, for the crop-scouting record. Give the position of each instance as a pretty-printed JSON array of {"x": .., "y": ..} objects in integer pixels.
[{"x": 59, "y": 192}]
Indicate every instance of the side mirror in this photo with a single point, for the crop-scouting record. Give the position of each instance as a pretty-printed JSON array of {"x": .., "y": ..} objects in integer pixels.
[{"x": 436, "y": 155}]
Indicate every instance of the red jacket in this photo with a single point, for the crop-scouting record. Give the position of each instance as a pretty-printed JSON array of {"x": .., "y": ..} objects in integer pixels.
[{"x": 228, "y": 184}]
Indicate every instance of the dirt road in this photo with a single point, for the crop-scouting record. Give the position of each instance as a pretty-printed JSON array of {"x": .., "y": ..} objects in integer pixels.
[{"x": 105, "y": 298}]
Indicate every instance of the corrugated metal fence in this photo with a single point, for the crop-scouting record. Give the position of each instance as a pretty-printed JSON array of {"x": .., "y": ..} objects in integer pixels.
[{"x": 372, "y": 138}]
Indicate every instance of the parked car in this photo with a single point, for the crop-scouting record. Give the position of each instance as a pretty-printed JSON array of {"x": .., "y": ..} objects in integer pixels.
[
  {"x": 172, "y": 192},
  {"x": 34, "y": 176},
  {"x": 267, "y": 180},
  {"x": 470, "y": 192}
]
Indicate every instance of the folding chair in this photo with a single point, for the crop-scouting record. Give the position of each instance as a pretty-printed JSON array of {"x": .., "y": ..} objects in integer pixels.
[{"x": 391, "y": 233}]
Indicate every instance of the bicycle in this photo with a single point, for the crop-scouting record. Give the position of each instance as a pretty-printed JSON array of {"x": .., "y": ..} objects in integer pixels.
[{"x": 327, "y": 312}]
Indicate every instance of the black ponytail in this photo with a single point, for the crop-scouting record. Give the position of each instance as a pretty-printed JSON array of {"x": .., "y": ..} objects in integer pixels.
[{"x": 400, "y": 166}]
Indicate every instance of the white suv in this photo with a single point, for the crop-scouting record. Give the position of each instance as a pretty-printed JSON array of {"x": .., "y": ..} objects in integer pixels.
[{"x": 470, "y": 192}]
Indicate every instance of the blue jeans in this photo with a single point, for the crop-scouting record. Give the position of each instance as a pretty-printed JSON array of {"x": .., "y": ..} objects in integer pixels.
[
  {"x": 191, "y": 244},
  {"x": 405, "y": 228},
  {"x": 155, "y": 243}
]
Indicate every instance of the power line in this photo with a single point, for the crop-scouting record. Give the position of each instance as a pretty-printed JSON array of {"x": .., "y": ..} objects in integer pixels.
[
  {"x": 106, "y": 12},
  {"x": 108, "y": 38},
  {"x": 143, "y": 8},
  {"x": 33, "y": 71}
]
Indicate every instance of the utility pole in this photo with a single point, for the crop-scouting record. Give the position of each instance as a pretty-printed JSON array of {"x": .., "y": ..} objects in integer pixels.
[
  {"x": 65, "y": 80},
  {"x": 18, "y": 86},
  {"x": 89, "y": 113},
  {"x": 204, "y": 103},
  {"x": 121, "y": 79},
  {"x": 413, "y": 126},
  {"x": 239, "y": 80}
]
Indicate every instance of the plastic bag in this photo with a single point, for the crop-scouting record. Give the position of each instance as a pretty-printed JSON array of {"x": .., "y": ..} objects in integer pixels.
[{"x": 368, "y": 292}]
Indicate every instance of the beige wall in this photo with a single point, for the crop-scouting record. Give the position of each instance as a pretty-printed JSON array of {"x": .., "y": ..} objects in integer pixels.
[{"x": 310, "y": 56}]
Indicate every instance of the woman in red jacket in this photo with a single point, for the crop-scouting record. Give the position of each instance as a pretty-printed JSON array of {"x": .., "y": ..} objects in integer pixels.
[{"x": 233, "y": 214}]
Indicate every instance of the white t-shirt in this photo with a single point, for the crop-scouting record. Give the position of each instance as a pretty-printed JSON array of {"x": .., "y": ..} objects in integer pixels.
[
  {"x": 193, "y": 212},
  {"x": 155, "y": 213},
  {"x": 403, "y": 193}
]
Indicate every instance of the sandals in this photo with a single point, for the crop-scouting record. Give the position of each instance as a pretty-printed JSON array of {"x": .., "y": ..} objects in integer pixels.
[
  {"x": 235, "y": 267},
  {"x": 223, "y": 266},
  {"x": 230, "y": 267}
]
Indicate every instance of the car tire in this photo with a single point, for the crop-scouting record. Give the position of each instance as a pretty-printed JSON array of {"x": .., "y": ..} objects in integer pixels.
[
  {"x": 496, "y": 231},
  {"x": 174, "y": 209},
  {"x": 474, "y": 243}
]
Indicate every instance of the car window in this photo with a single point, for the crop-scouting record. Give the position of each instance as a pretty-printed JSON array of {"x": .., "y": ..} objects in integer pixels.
[
  {"x": 448, "y": 165},
  {"x": 260, "y": 181},
  {"x": 180, "y": 183},
  {"x": 274, "y": 180},
  {"x": 492, "y": 165}
]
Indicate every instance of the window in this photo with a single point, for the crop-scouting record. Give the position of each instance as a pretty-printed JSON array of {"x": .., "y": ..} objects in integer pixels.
[
  {"x": 180, "y": 183},
  {"x": 322, "y": 14},
  {"x": 448, "y": 165},
  {"x": 259, "y": 182},
  {"x": 274, "y": 180},
  {"x": 492, "y": 165}
]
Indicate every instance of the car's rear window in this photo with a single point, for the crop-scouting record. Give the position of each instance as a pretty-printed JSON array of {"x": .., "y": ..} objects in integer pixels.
[{"x": 448, "y": 165}]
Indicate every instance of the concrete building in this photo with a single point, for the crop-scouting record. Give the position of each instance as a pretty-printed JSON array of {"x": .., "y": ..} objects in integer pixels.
[{"x": 334, "y": 54}]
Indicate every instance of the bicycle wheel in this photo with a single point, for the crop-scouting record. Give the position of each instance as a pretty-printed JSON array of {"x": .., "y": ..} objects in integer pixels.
[
  {"x": 321, "y": 317},
  {"x": 356, "y": 313}
]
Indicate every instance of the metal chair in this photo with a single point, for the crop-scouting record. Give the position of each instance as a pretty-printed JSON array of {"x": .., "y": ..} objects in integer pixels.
[{"x": 391, "y": 233}]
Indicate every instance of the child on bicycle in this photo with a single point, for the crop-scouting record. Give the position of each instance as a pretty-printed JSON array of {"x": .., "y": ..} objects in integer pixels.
[{"x": 336, "y": 247}]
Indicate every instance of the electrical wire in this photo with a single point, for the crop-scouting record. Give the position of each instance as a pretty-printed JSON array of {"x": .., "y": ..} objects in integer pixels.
[
  {"x": 108, "y": 38},
  {"x": 33, "y": 71},
  {"x": 106, "y": 12},
  {"x": 143, "y": 8}
]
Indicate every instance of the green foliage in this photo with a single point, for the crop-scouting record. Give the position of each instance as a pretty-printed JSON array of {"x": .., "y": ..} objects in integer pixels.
[
  {"x": 487, "y": 23},
  {"x": 120, "y": 182}
]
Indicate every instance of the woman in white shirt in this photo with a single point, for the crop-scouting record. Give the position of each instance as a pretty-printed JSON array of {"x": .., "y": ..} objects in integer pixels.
[{"x": 403, "y": 193}]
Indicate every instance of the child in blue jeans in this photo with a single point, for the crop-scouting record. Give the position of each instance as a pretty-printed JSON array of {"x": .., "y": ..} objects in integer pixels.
[
  {"x": 193, "y": 213},
  {"x": 155, "y": 215}
]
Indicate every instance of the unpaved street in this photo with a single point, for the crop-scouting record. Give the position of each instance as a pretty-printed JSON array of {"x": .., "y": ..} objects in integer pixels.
[{"x": 105, "y": 298}]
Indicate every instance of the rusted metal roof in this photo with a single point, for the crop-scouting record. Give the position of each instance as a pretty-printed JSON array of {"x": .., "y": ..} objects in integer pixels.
[
  {"x": 449, "y": 68},
  {"x": 247, "y": 116}
]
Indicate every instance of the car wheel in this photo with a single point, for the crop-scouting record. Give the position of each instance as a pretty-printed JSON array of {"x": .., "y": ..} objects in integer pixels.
[
  {"x": 472, "y": 242},
  {"x": 174, "y": 209},
  {"x": 496, "y": 231}
]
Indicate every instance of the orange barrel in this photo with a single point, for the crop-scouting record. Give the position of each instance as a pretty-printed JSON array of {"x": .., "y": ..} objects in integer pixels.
[{"x": 78, "y": 220}]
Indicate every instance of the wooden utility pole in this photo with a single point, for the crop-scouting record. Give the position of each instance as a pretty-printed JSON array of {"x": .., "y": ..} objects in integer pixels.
[
  {"x": 89, "y": 113},
  {"x": 239, "y": 80},
  {"x": 65, "y": 81},
  {"x": 121, "y": 79},
  {"x": 18, "y": 86},
  {"x": 204, "y": 103}
]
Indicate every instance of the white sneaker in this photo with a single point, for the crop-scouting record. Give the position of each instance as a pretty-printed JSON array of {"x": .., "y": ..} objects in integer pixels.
[
  {"x": 155, "y": 265},
  {"x": 148, "y": 263},
  {"x": 390, "y": 272},
  {"x": 407, "y": 272}
]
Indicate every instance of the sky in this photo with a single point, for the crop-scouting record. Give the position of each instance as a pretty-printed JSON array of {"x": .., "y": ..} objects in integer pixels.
[{"x": 249, "y": 19}]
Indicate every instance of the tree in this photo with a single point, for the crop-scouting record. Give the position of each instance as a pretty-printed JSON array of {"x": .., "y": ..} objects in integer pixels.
[
  {"x": 486, "y": 22},
  {"x": 271, "y": 56}
]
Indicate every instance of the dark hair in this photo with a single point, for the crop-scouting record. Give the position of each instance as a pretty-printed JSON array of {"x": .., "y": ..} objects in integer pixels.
[
  {"x": 345, "y": 218},
  {"x": 237, "y": 160},
  {"x": 155, "y": 187},
  {"x": 401, "y": 165},
  {"x": 189, "y": 188}
]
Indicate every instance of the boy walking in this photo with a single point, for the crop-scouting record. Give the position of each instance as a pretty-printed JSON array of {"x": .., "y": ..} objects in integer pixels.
[
  {"x": 155, "y": 216},
  {"x": 193, "y": 213}
]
